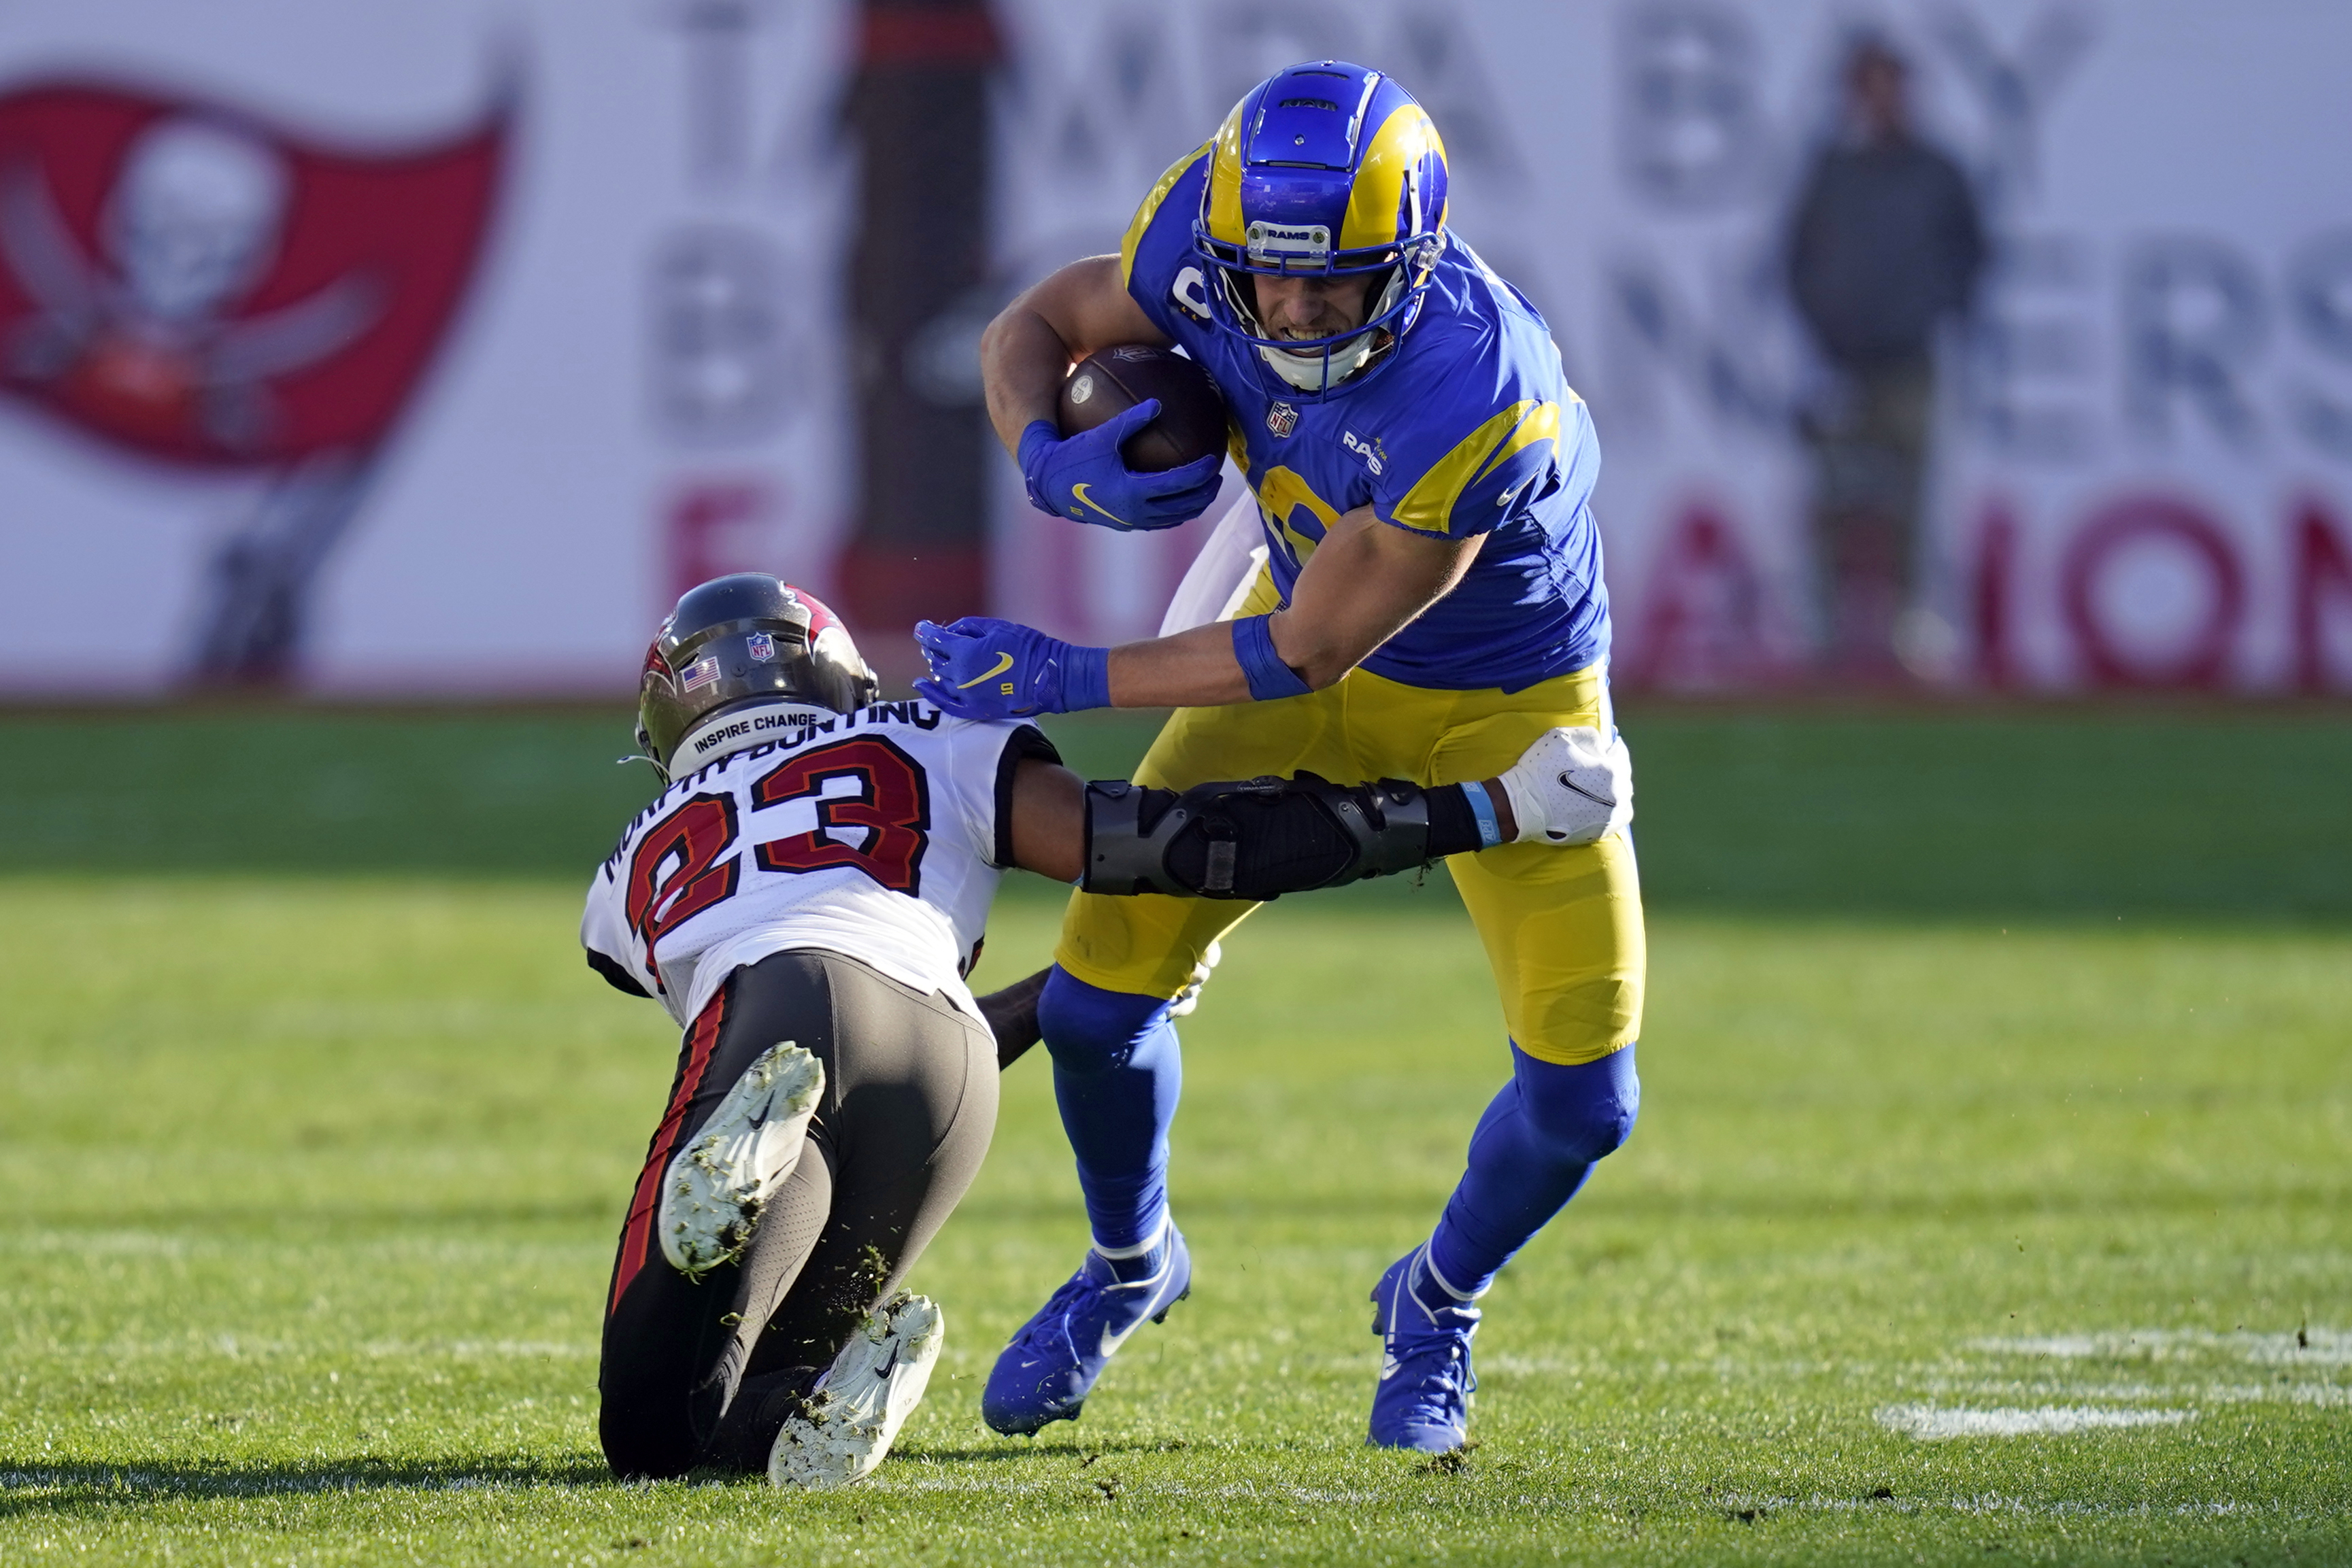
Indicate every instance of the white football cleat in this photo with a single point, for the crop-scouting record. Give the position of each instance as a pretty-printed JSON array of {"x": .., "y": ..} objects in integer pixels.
[
  {"x": 845, "y": 1427},
  {"x": 717, "y": 1184}
]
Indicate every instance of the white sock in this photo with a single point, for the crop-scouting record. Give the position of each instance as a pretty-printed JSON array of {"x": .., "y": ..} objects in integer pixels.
[
  {"x": 1428, "y": 1266},
  {"x": 1141, "y": 1249}
]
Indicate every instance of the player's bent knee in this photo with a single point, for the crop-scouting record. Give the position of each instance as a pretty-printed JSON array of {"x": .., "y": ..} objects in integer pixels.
[
  {"x": 631, "y": 1461},
  {"x": 1089, "y": 1030},
  {"x": 649, "y": 1439},
  {"x": 1582, "y": 1112}
]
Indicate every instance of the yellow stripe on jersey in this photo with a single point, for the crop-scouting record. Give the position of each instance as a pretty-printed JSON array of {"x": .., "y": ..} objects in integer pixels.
[
  {"x": 1397, "y": 148},
  {"x": 1543, "y": 424},
  {"x": 1429, "y": 505},
  {"x": 1225, "y": 219},
  {"x": 1144, "y": 214}
]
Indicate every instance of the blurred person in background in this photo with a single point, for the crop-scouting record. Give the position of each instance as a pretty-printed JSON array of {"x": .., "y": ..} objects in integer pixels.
[{"x": 1884, "y": 246}]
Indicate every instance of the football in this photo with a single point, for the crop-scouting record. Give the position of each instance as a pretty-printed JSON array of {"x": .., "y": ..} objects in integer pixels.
[{"x": 1190, "y": 423}]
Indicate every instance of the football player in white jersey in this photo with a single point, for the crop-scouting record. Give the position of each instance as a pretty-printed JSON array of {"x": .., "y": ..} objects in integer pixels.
[{"x": 804, "y": 897}]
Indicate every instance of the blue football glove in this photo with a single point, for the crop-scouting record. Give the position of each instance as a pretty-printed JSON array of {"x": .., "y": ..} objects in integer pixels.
[
  {"x": 985, "y": 668},
  {"x": 1084, "y": 477}
]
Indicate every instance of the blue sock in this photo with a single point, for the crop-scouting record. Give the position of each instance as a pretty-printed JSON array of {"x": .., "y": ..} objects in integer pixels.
[
  {"x": 1533, "y": 1149},
  {"x": 1116, "y": 1074}
]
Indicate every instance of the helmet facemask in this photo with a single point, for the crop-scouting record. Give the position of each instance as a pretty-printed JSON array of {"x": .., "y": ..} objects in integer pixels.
[{"x": 1314, "y": 366}]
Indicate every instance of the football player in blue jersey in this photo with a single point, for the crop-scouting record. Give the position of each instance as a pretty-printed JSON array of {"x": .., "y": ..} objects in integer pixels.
[{"x": 1432, "y": 603}]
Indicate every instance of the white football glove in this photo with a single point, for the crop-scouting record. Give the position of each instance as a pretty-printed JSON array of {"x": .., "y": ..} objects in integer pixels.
[{"x": 1571, "y": 787}]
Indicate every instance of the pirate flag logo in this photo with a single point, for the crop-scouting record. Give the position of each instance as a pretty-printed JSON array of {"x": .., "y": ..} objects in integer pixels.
[{"x": 186, "y": 284}]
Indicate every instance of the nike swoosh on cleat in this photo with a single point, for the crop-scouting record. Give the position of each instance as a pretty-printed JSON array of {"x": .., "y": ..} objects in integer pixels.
[
  {"x": 1003, "y": 661},
  {"x": 1078, "y": 493},
  {"x": 1388, "y": 1367},
  {"x": 1111, "y": 1342}
]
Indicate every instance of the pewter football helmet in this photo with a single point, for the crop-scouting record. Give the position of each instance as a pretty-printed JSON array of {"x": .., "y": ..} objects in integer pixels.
[{"x": 747, "y": 646}]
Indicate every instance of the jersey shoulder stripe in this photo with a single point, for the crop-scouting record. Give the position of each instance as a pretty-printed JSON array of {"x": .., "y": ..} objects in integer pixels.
[
  {"x": 1431, "y": 505},
  {"x": 1142, "y": 223}
]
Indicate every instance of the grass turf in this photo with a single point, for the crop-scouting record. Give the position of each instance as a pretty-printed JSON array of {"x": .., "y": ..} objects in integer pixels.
[
  {"x": 311, "y": 1181},
  {"x": 2074, "y": 811}
]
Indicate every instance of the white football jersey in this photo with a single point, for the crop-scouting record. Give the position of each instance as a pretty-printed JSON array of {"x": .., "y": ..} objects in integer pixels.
[{"x": 879, "y": 834}]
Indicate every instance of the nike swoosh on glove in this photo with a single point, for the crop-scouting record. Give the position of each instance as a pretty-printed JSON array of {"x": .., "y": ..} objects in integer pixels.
[
  {"x": 990, "y": 669},
  {"x": 1571, "y": 787},
  {"x": 1084, "y": 477}
]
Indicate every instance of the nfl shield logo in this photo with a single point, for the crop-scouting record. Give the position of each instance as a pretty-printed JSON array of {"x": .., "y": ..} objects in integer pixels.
[
  {"x": 762, "y": 647},
  {"x": 1282, "y": 419}
]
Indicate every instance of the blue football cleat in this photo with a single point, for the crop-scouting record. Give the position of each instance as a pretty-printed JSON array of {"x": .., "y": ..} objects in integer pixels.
[
  {"x": 1423, "y": 1400},
  {"x": 1050, "y": 1367}
]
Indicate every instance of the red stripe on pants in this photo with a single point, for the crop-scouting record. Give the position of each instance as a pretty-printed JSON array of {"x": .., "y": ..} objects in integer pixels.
[{"x": 637, "y": 1235}]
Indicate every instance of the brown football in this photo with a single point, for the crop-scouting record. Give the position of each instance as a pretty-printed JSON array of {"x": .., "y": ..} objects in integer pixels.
[{"x": 1190, "y": 423}]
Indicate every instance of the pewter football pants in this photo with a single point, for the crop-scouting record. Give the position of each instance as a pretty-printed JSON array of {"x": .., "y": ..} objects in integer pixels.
[{"x": 706, "y": 1372}]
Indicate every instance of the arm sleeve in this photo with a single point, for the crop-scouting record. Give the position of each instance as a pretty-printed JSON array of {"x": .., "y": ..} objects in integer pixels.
[{"x": 1027, "y": 743}]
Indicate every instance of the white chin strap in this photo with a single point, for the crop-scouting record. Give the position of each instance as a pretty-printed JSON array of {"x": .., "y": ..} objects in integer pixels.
[
  {"x": 1305, "y": 372},
  {"x": 1345, "y": 358},
  {"x": 739, "y": 729}
]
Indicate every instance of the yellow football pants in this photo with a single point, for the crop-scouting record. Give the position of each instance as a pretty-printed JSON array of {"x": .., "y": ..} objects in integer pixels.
[{"x": 1562, "y": 927}]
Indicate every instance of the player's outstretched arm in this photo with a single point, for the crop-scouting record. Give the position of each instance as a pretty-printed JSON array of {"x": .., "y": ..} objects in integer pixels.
[
  {"x": 1281, "y": 835},
  {"x": 1273, "y": 836},
  {"x": 1266, "y": 837},
  {"x": 1366, "y": 581}
]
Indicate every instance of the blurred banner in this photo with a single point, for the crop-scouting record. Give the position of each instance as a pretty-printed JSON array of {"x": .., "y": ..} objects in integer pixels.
[
  {"x": 431, "y": 348},
  {"x": 410, "y": 348},
  {"x": 2137, "y": 438}
]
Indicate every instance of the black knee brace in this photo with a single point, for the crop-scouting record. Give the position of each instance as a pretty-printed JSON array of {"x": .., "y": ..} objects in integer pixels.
[{"x": 1264, "y": 838}]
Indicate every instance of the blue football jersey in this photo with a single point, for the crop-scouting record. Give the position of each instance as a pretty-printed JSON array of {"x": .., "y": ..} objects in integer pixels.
[{"x": 1470, "y": 428}]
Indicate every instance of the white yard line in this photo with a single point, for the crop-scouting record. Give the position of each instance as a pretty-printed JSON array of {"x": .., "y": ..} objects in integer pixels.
[
  {"x": 2305, "y": 1347},
  {"x": 1931, "y": 1423}
]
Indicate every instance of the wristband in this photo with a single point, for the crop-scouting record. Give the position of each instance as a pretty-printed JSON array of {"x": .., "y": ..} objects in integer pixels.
[
  {"x": 1482, "y": 807},
  {"x": 1086, "y": 678},
  {"x": 1269, "y": 677}
]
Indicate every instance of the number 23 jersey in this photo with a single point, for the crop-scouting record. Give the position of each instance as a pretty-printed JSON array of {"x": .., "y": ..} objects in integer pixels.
[{"x": 879, "y": 834}]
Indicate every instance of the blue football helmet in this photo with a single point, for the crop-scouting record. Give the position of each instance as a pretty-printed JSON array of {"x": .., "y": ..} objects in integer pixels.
[{"x": 1333, "y": 171}]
